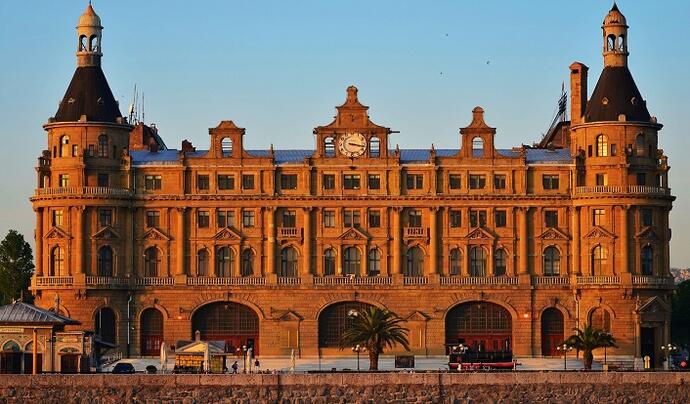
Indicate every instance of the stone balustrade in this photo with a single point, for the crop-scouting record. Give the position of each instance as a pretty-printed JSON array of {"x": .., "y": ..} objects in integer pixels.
[
  {"x": 479, "y": 280},
  {"x": 91, "y": 191},
  {"x": 623, "y": 190},
  {"x": 353, "y": 280},
  {"x": 225, "y": 281}
]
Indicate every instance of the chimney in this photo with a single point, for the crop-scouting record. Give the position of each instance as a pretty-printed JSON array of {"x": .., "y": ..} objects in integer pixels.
[{"x": 578, "y": 92}]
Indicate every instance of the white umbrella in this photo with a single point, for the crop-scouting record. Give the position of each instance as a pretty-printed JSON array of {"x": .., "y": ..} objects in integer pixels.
[
  {"x": 292, "y": 361},
  {"x": 164, "y": 357},
  {"x": 207, "y": 358}
]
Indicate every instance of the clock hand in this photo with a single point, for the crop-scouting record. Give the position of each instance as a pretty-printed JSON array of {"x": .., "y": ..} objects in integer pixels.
[{"x": 355, "y": 144}]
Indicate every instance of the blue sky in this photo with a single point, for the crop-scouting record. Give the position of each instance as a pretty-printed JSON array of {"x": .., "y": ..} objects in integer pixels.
[{"x": 278, "y": 68}]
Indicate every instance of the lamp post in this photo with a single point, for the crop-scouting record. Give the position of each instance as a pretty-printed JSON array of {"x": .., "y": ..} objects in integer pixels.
[
  {"x": 357, "y": 349},
  {"x": 606, "y": 364},
  {"x": 244, "y": 356},
  {"x": 565, "y": 348},
  {"x": 667, "y": 349}
]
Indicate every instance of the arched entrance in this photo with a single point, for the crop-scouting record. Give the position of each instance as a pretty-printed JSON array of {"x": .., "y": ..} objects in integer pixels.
[
  {"x": 481, "y": 326},
  {"x": 335, "y": 319},
  {"x": 233, "y": 323},
  {"x": 106, "y": 325},
  {"x": 151, "y": 326},
  {"x": 551, "y": 331}
]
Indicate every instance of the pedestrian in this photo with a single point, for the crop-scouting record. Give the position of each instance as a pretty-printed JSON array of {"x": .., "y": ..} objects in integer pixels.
[
  {"x": 235, "y": 366},
  {"x": 257, "y": 364}
]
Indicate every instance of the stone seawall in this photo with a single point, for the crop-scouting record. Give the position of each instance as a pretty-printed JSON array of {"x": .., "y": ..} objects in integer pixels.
[{"x": 519, "y": 387}]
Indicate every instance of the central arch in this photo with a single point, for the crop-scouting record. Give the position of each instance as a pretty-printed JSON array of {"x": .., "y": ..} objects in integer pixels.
[
  {"x": 335, "y": 319},
  {"x": 151, "y": 328},
  {"x": 551, "y": 331},
  {"x": 233, "y": 323},
  {"x": 481, "y": 326}
]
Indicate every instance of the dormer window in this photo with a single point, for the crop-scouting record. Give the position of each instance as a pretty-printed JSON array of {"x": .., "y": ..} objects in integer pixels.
[
  {"x": 477, "y": 147},
  {"x": 226, "y": 146},
  {"x": 374, "y": 147},
  {"x": 329, "y": 147}
]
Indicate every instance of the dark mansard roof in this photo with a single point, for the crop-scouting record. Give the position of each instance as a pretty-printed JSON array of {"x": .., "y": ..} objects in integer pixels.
[
  {"x": 88, "y": 94},
  {"x": 616, "y": 94}
]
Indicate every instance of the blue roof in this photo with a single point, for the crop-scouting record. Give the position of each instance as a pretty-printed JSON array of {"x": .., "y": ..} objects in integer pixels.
[{"x": 545, "y": 156}]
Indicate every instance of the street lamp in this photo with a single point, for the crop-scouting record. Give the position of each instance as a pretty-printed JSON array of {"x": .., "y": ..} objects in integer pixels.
[
  {"x": 667, "y": 349},
  {"x": 565, "y": 348},
  {"x": 608, "y": 335},
  {"x": 357, "y": 349}
]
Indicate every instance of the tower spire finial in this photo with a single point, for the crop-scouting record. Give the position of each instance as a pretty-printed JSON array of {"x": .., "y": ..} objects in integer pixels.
[
  {"x": 615, "y": 30},
  {"x": 89, "y": 31}
]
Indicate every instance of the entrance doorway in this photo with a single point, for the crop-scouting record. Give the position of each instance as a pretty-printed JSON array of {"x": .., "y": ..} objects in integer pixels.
[
  {"x": 480, "y": 326},
  {"x": 235, "y": 324},
  {"x": 551, "y": 331},
  {"x": 69, "y": 363},
  {"x": 648, "y": 344}
]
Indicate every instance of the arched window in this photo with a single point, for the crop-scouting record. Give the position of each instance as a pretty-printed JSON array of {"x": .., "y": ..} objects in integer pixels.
[
  {"x": 552, "y": 261},
  {"x": 288, "y": 262},
  {"x": 477, "y": 147},
  {"x": 202, "y": 261},
  {"x": 106, "y": 325},
  {"x": 93, "y": 43},
  {"x": 226, "y": 147},
  {"x": 102, "y": 146},
  {"x": 480, "y": 326},
  {"x": 225, "y": 260},
  {"x": 611, "y": 43},
  {"x": 329, "y": 147},
  {"x": 374, "y": 147},
  {"x": 477, "y": 261},
  {"x": 600, "y": 318},
  {"x": 602, "y": 146},
  {"x": 351, "y": 261},
  {"x": 64, "y": 146},
  {"x": 640, "y": 147},
  {"x": 82, "y": 43},
  {"x": 152, "y": 261},
  {"x": 329, "y": 262},
  {"x": 621, "y": 43},
  {"x": 374, "y": 262},
  {"x": 455, "y": 267},
  {"x": 233, "y": 323},
  {"x": 500, "y": 262},
  {"x": 105, "y": 261},
  {"x": 415, "y": 262},
  {"x": 247, "y": 268},
  {"x": 600, "y": 257},
  {"x": 647, "y": 260},
  {"x": 335, "y": 319},
  {"x": 57, "y": 261}
]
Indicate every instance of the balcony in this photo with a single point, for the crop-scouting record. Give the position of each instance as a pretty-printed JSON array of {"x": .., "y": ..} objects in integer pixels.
[
  {"x": 644, "y": 280},
  {"x": 91, "y": 191},
  {"x": 479, "y": 280},
  {"x": 107, "y": 281},
  {"x": 598, "y": 280},
  {"x": 213, "y": 281},
  {"x": 352, "y": 280},
  {"x": 623, "y": 190},
  {"x": 550, "y": 280},
  {"x": 54, "y": 281},
  {"x": 154, "y": 281},
  {"x": 415, "y": 232},
  {"x": 289, "y": 232},
  {"x": 415, "y": 280}
]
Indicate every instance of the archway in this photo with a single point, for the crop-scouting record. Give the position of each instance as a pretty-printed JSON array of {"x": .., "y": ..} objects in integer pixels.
[
  {"x": 551, "y": 331},
  {"x": 151, "y": 326},
  {"x": 233, "y": 323},
  {"x": 106, "y": 325},
  {"x": 481, "y": 326},
  {"x": 335, "y": 319}
]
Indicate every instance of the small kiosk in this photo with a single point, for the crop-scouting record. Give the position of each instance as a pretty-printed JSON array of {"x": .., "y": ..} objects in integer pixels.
[{"x": 200, "y": 357}]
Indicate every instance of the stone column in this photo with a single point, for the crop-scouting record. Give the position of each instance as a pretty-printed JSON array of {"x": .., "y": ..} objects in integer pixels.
[
  {"x": 79, "y": 241},
  {"x": 39, "y": 242},
  {"x": 433, "y": 241},
  {"x": 395, "y": 267},
  {"x": 271, "y": 244},
  {"x": 306, "y": 262},
  {"x": 625, "y": 253},
  {"x": 575, "y": 231},
  {"x": 179, "y": 243},
  {"x": 522, "y": 245}
]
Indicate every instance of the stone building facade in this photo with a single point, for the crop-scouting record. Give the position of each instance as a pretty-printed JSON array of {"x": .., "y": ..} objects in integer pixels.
[{"x": 492, "y": 248}]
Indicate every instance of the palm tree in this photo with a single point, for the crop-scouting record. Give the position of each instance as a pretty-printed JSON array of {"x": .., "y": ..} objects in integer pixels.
[
  {"x": 375, "y": 329},
  {"x": 588, "y": 339}
]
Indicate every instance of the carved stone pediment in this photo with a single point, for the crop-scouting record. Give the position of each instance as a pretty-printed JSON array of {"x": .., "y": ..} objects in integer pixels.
[
  {"x": 647, "y": 233},
  {"x": 479, "y": 233},
  {"x": 353, "y": 234},
  {"x": 599, "y": 232},
  {"x": 553, "y": 234},
  {"x": 227, "y": 233},
  {"x": 57, "y": 233},
  {"x": 654, "y": 305},
  {"x": 287, "y": 315},
  {"x": 106, "y": 233},
  {"x": 154, "y": 234},
  {"x": 417, "y": 316}
]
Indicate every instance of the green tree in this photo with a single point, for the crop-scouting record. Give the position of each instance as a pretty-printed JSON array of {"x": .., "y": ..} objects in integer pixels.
[
  {"x": 16, "y": 268},
  {"x": 680, "y": 314},
  {"x": 587, "y": 340},
  {"x": 376, "y": 329}
]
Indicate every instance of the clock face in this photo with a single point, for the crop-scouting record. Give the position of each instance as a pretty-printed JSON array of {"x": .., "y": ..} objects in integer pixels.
[{"x": 352, "y": 144}]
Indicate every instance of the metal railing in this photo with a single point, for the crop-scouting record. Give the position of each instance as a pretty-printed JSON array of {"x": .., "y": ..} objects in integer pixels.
[
  {"x": 212, "y": 281},
  {"x": 353, "y": 280},
  {"x": 620, "y": 189},
  {"x": 598, "y": 280},
  {"x": 550, "y": 280}
]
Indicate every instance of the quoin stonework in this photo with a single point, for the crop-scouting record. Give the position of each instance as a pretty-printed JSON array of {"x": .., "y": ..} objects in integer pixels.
[{"x": 271, "y": 249}]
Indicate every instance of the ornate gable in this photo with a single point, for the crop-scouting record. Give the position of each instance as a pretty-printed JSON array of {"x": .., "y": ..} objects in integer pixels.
[
  {"x": 105, "y": 233},
  {"x": 354, "y": 234},
  {"x": 154, "y": 234},
  {"x": 417, "y": 316},
  {"x": 599, "y": 232},
  {"x": 553, "y": 234},
  {"x": 479, "y": 233},
  {"x": 287, "y": 315},
  {"x": 57, "y": 233},
  {"x": 654, "y": 305},
  {"x": 647, "y": 233},
  {"x": 227, "y": 233}
]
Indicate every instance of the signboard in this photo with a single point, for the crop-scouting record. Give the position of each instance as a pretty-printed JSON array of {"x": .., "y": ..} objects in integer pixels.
[
  {"x": 404, "y": 361},
  {"x": 12, "y": 330}
]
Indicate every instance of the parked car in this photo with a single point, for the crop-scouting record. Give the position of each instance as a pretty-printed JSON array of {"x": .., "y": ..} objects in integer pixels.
[{"x": 123, "y": 368}]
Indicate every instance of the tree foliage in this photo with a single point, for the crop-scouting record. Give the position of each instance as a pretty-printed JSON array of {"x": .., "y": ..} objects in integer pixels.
[
  {"x": 588, "y": 339},
  {"x": 680, "y": 315},
  {"x": 375, "y": 329},
  {"x": 16, "y": 268}
]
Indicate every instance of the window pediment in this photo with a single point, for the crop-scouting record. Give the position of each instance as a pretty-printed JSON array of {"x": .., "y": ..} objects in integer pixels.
[
  {"x": 599, "y": 232},
  {"x": 553, "y": 234},
  {"x": 354, "y": 234},
  {"x": 647, "y": 233},
  {"x": 227, "y": 233},
  {"x": 154, "y": 234},
  {"x": 479, "y": 234},
  {"x": 106, "y": 233},
  {"x": 57, "y": 233}
]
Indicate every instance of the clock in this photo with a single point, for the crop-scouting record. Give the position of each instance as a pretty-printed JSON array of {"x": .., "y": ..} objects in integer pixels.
[{"x": 352, "y": 144}]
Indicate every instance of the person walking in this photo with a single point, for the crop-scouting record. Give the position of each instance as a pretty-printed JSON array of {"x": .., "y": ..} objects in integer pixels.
[{"x": 235, "y": 366}]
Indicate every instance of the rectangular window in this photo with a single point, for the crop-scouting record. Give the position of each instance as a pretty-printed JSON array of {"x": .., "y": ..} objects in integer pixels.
[
  {"x": 374, "y": 181},
  {"x": 602, "y": 179},
  {"x": 455, "y": 181},
  {"x": 646, "y": 217},
  {"x": 248, "y": 218},
  {"x": 103, "y": 180},
  {"x": 550, "y": 181},
  {"x": 477, "y": 218},
  {"x": 289, "y": 219},
  {"x": 499, "y": 181},
  {"x": 414, "y": 181},
  {"x": 92, "y": 150},
  {"x": 202, "y": 182},
  {"x": 105, "y": 217},
  {"x": 414, "y": 218},
  {"x": 153, "y": 218},
  {"x": 64, "y": 180},
  {"x": 329, "y": 218},
  {"x": 202, "y": 219},
  {"x": 226, "y": 218},
  {"x": 288, "y": 181},
  {"x": 589, "y": 150},
  {"x": 75, "y": 150},
  {"x": 599, "y": 217},
  {"x": 152, "y": 182},
  {"x": 226, "y": 182},
  {"x": 614, "y": 149},
  {"x": 551, "y": 218},
  {"x": 351, "y": 218},
  {"x": 57, "y": 218},
  {"x": 641, "y": 179},
  {"x": 477, "y": 181},
  {"x": 247, "y": 181},
  {"x": 374, "y": 218},
  {"x": 455, "y": 217},
  {"x": 500, "y": 218},
  {"x": 351, "y": 181},
  {"x": 329, "y": 181}
]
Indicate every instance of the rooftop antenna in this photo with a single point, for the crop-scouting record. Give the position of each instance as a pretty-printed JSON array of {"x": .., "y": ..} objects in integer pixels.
[
  {"x": 133, "y": 107},
  {"x": 143, "y": 120}
]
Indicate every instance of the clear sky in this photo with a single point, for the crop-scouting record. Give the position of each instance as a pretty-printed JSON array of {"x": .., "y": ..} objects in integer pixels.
[{"x": 278, "y": 68}]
